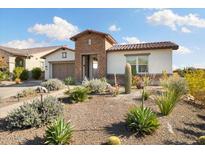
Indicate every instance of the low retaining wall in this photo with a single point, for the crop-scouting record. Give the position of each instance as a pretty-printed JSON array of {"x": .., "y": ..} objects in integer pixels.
[{"x": 155, "y": 78}]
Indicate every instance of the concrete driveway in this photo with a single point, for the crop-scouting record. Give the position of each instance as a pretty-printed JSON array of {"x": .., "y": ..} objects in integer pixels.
[{"x": 8, "y": 89}]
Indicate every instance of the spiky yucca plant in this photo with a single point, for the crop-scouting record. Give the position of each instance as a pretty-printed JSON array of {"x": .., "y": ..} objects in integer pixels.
[
  {"x": 59, "y": 132},
  {"x": 167, "y": 101},
  {"x": 142, "y": 120}
]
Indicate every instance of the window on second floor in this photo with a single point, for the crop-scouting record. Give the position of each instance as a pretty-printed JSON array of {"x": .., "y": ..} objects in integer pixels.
[
  {"x": 89, "y": 41},
  {"x": 139, "y": 64},
  {"x": 64, "y": 54}
]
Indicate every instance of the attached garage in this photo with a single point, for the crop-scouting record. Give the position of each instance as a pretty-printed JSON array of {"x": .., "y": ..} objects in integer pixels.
[
  {"x": 60, "y": 63},
  {"x": 62, "y": 70}
]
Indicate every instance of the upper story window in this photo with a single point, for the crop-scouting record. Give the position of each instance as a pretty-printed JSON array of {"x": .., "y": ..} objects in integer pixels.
[
  {"x": 89, "y": 42},
  {"x": 64, "y": 54},
  {"x": 139, "y": 64}
]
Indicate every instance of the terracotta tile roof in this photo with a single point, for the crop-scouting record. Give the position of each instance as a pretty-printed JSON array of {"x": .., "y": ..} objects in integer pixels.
[
  {"x": 108, "y": 36},
  {"x": 144, "y": 46}
]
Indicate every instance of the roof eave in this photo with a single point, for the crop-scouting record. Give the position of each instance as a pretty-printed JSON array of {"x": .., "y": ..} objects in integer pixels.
[
  {"x": 115, "y": 50},
  {"x": 53, "y": 51},
  {"x": 108, "y": 36}
]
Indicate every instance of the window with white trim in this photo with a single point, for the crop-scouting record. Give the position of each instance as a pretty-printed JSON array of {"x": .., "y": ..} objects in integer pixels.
[{"x": 139, "y": 64}]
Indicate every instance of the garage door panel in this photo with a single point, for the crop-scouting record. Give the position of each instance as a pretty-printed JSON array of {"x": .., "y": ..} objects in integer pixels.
[{"x": 62, "y": 70}]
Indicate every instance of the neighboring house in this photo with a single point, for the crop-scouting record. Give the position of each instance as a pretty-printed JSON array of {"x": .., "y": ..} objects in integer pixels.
[
  {"x": 60, "y": 63},
  {"x": 98, "y": 55},
  {"x": 27, "y": 58}
]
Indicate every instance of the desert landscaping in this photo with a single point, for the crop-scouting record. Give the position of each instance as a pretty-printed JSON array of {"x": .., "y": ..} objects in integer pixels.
[{"x": 96, "y": 111}]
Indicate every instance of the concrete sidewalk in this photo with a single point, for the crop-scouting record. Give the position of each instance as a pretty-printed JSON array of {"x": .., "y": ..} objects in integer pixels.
[{"x": 8, "y": 89}]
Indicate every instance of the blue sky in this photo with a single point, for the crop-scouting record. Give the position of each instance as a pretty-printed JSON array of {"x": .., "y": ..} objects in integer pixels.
[{"x": 25, "y": 28}]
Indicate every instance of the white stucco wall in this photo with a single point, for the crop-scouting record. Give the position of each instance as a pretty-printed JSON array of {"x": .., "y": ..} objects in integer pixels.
[
  {"x": 159, "y": 60},
  {"x": 56, "y": 57},
  {"x": 36, "y": 61},
  {"x": 11, "y": 63}
]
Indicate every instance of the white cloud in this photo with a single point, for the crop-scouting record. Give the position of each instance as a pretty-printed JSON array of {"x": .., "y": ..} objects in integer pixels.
[
  {"x": 60, "y": 29},
  {"x": 21, "y": 44},
  {"x": 131, "y": 40},
  {"x": 185, "y": 30},
  {"x": 168, "y": 18},
  {"x": 183, "y": 50},
  {"x": 114, "y": 28}
]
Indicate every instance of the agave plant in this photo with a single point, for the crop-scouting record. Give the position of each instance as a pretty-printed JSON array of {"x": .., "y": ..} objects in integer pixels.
[
  {"x": 79, "y": 94},
  {"x": 142, "y": 120},
  {"x": 59, "y": 132}
]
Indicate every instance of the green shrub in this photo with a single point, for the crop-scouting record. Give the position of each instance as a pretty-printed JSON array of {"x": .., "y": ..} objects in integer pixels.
[
  {"x": 4, "y": 75},
  {"x": 142, "y": 120},
  {"x": 17, "y": 72},
  {"x": 1, "y": 76},
  {"x": 53, "y": 84},
  {"x": 35, "y": 114},
  {"x": 24, "y": 75},
  {"x": 95, "y": 85},
  {"x": 36, "y": 73},
  {"x": 175, "y": 84},
  {"x": 167, "y": 101},
  {"x": 24, "y": 117},
  {"x": 59, "y": 132},
  {"x": 79, "y": 94},
  {"x": 196, "y": 84},
  {"x": 113, "y": 140},
  {"x": 183, "y": 72},
  {"x": 128, "y": 78},
  {"x": 49, "y": 109},
  {"x": 69, "y": 81}
]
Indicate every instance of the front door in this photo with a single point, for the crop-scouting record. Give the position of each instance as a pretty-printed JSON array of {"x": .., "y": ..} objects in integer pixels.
[
  {"x": 89, "y": 66},
  {"x": 94, "y": 65},
  {"x": 85, "y": 66}
]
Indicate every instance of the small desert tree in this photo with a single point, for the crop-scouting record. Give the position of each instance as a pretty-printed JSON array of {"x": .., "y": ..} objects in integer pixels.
[{"x": 3, "y": 63}]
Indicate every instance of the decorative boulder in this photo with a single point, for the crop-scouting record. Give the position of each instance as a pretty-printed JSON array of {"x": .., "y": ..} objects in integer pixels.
[
  {"x": 189, "y": 98},
  {"x": 110, "y": 88},
  {"x": 41, "y": 89}
]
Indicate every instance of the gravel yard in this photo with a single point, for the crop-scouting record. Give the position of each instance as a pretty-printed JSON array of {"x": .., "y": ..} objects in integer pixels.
[{"x": 102, "y": 116}]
